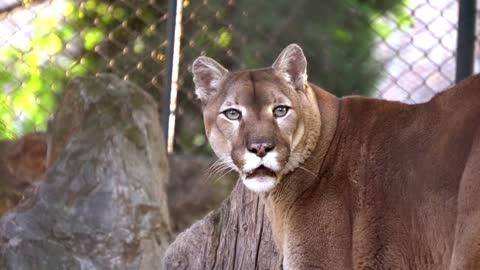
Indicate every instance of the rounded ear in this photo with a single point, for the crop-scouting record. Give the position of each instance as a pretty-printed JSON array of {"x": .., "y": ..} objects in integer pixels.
[
  {"x": 207, "y": 74},
  {"x": 292, "y": 65}
]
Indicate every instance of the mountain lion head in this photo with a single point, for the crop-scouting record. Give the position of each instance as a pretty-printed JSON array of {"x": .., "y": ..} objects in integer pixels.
[{"x": 263, "y": 123}]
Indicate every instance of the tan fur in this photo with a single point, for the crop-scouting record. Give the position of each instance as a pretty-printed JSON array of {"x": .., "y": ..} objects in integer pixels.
[
  {"x": 22, "y": 162},
  {"x": 387, "y": 185}
]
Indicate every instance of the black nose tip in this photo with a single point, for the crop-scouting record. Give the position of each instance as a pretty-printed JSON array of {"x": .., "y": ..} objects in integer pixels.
[{"x": 260, "y": 149}]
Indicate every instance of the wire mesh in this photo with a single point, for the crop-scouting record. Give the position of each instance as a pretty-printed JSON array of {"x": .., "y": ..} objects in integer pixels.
[
  {"x": 393, "y": 49},
  {"x": 45, "y": 44},
  {"x": 420, "y": 60}
]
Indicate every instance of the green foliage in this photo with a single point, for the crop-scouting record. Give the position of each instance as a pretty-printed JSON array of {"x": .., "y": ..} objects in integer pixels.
[
  {"x": 338, "y": 38},
  {"x": 128, "y": 38},
  {"x": 34, "y": 70}
]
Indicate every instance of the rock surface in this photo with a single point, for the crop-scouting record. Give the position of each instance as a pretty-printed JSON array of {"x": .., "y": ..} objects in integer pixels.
[{"x": 103, "y": 204}]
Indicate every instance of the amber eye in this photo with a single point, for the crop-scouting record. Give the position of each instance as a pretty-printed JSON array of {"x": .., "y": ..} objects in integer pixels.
[
  {"x": 232, "y": 114},
  {"x": 280, "y": 111}
]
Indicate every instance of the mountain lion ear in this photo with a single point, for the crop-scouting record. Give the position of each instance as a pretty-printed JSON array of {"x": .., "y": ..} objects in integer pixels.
[
  {"x": 292, "y": 65},
  {"x": 207, "y": 74}
]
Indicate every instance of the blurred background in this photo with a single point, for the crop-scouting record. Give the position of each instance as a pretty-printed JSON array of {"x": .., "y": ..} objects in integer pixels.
[{"x": 394, "y": 49}]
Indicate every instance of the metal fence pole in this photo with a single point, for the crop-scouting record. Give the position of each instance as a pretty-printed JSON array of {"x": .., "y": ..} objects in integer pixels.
[
  {"x": 465, "y": 39},
  {"x": 174, "y": 26}
]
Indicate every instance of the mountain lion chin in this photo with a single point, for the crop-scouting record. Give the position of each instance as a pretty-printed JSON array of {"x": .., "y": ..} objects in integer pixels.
[
  {"x": 260, "y": 183},
  {"x": 261, "y": 179}
]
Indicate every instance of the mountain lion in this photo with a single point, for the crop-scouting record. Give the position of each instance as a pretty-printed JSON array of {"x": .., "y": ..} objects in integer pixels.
[{"x": 353, "y": 182}]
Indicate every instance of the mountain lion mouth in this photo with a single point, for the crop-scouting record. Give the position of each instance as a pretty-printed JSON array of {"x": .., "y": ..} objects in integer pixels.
[{"x": 261, "y": 171}]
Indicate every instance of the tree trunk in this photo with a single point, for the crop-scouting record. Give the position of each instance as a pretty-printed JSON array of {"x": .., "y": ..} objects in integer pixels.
[{"x": 235, "y": 236}]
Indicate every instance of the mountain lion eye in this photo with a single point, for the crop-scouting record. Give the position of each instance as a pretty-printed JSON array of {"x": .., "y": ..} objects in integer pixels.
[
  {"x": 232, "y": 114},
  {"x": 280, "y": 111}
]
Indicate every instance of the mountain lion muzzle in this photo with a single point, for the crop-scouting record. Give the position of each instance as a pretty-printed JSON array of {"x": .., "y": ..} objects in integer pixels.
[{"x": 353, "y": 182}]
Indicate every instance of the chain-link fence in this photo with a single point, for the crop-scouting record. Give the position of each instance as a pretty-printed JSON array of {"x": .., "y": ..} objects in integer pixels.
[{"x": 394, "y": 49}]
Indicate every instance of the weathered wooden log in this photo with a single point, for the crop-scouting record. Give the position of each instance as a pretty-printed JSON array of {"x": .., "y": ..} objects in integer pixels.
[{"x": 235, "y": 236}]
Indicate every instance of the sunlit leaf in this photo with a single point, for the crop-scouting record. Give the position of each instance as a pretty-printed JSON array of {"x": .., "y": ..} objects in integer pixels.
[
  {"x": 78, "y": 70},
  {"x": 32, "y": 59},
  {"x": 139, "y": 45},
  {"x": 67, "y": 33},
  {"x": 224, "y": 39},
  {"x": 92, "y": 37},
  {"x": 69, "y": 8},
  {"x": 381, "y": 27},
  {"x": 44, "y": 23},
  {"x": 403, "y": 18},
  {"x": 9, "y": 54},
  {"x": 90, "y": 5},
  {"x": 33, "y": 85},
  {"x": 52, "y": 44},
  {"x": 25, "y": 68},
  {"x": 23, "y": 101}
]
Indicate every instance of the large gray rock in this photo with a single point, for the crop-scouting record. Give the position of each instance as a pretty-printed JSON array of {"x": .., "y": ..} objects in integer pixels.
[{"x": 103, "y": 203}]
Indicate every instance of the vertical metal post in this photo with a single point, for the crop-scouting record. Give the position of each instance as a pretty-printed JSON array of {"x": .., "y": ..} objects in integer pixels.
[
  {"x": 174, "y": 30},
  {"x": 465, "y": 39}
]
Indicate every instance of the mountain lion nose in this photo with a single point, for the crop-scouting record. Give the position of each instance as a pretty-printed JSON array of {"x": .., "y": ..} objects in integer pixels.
[{"x": 260, "y": 149}]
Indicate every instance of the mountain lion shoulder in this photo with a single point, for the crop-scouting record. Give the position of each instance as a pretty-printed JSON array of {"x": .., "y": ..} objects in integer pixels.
[{"x": 353, "y": 182}]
